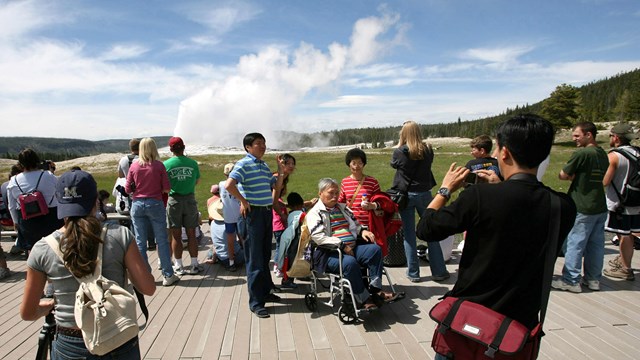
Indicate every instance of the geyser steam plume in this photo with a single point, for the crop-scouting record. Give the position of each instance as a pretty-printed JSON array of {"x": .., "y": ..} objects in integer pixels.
[{"x": 265, "y": 87}]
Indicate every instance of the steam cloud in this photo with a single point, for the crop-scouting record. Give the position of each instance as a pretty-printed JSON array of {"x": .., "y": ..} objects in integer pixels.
[{"x": 266, "y": 86}]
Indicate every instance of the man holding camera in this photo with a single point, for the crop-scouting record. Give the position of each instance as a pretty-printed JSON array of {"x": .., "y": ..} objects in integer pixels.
[{"x": 585, "y": 169}]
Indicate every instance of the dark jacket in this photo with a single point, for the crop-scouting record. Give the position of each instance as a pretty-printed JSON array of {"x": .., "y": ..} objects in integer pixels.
[
  {"x": 416, "y": 171},
  {"x": 507, "y": 227}
]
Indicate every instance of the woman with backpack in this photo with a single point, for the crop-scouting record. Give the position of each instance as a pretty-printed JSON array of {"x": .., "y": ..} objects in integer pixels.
[
  {"x": 78, "y": 241},
  {"x": 34, "y": 180}
]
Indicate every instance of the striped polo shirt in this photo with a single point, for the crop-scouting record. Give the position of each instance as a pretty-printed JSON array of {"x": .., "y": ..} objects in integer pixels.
[{"x": 256, "y": 180}]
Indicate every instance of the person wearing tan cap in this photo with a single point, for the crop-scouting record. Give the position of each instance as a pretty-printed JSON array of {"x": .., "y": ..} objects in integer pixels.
[{"x": 623, "y": 220}]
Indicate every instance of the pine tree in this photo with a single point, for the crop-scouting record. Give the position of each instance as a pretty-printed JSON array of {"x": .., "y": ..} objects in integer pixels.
[{"x": 562, "y": 108}]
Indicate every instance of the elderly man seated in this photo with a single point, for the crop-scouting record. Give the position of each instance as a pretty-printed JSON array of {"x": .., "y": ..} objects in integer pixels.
[{"x": 333, "y": 225}]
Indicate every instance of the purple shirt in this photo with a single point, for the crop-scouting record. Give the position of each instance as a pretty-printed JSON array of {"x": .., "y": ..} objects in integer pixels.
[{"x": 150, "y": 180}]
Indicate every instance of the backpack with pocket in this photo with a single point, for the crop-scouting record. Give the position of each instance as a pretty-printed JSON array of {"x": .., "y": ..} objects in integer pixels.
[
  {"x": 629, "y": 195},
  {"x": 32, "y": 204},
  {"x": 104, "y": 311}
]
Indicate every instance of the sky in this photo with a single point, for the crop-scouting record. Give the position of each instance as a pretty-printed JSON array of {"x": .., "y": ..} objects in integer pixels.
[{"x": 212, "y": 71}]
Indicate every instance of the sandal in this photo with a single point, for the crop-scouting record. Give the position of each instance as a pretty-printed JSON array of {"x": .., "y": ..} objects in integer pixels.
[
  {"x": 369, "y": 305},
  {"x": 389, "y": 297}
]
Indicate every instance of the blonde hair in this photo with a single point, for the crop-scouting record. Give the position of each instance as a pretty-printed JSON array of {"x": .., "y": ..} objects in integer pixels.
[
  {"x": 411, "y": 135},
  {"x": 148, "y": 151}
]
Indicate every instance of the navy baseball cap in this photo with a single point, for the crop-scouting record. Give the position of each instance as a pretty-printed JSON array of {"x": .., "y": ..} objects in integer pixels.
[{"x": 77, "y": 193}]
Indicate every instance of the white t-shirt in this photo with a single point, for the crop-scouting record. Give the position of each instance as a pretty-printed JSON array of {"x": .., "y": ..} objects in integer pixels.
[
  {"x": 618, "y": 180},
  {"x": 230, "y": 205},
  {"x": 27, "y": 182},
  {"x": 124, "y": 163}
]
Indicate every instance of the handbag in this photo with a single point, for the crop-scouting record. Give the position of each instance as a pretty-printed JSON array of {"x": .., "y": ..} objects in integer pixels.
[
  {"x": 467, "y": 330},
  {"x": 400, "y": 197}
]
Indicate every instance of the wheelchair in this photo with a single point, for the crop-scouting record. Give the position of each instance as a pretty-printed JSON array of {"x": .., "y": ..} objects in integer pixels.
[{"x": 340, "y": 291}]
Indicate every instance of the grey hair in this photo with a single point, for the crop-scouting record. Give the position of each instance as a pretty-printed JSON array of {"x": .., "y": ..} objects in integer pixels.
[{"x": 324, "y": 183}]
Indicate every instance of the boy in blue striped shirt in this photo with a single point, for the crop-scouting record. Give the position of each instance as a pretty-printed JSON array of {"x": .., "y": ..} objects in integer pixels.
[{"x": 256, "y": 196}]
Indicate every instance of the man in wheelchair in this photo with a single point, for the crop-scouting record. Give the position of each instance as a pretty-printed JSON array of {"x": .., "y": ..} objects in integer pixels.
[{"x": 333, "y": 226}]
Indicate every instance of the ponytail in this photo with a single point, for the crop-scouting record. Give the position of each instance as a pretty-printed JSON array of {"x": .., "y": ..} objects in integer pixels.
[{"x": 79, "y": 244}]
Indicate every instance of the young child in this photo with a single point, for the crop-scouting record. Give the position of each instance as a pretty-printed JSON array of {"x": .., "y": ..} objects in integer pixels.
[
  {"x": 482, "y": 160},
  {"x": 296, "y": 207},
  {"x": 279, "y": 224}
]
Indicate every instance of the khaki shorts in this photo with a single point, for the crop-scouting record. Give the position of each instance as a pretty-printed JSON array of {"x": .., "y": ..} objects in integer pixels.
[{"x": 182, "y": 211}]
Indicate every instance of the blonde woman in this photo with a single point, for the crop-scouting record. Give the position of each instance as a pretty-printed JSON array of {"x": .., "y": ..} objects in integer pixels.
[
  {"x": 147, "y": 180},
  {"x": 412, "y": 161}
]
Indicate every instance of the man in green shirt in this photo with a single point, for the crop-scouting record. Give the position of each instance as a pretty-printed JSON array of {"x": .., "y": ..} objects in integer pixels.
[
  {"x": 182, "y": 208},
  {"x": 585, "y": 169}
]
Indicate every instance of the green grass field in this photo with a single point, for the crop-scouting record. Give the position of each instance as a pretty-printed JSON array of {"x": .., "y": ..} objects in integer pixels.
[{"x": 313, "y": 166}]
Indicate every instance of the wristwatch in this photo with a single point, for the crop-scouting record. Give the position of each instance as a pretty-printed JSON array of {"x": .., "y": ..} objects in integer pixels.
[{"x": 444, "y": 192}]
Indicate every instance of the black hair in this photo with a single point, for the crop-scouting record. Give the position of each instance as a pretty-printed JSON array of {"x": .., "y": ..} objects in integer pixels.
[
  {"x": 250, "y": 138},
  {"x": 355, "y": 153},
  {"x": 75, "y": 168},
  {"x": 294, "y": 199},
  {"x": 528, "y": 137},
  {"x": 28, "y": 159},
  {"x": 15, "y": 170},
  {"x": 287, "y": 157}
]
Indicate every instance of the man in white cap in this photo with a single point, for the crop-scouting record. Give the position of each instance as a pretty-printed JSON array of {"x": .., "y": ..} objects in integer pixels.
[{"x": 623, "y": 219}]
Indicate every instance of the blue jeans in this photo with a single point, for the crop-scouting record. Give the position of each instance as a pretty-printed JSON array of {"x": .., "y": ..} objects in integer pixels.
[
  {"x": 277, "y": 235},
  {"x": 418, "y": 202},
  {"x": 256, "y": 229},
  {"x": 368, "y": 255},
  {"x": 68, "y": 347},
  {"x": 151, "y": 214},
  {"x": 586, "y": 240}
]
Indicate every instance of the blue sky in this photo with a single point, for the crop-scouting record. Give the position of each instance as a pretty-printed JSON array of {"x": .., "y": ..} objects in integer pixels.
[{"x": 211, "y": 71}]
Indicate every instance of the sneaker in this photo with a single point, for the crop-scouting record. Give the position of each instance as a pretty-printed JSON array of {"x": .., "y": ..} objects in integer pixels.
[
  {"x": 615, "y": 262},
  {"x": 619, "y": 272},
  {"x": 272, "y": 298},
  {"x": 277, "y": 271},
  {"x": 288, "y": 284},
  {"x": 195, "y": 269},
  {"x": 4, "y": 273},
  {"x": 560, "y": 284},
  {"x": 170, "y": 280},
  {"x": 593, "y": 285},
  {"x": 232, "y": 268},
  {"x": 260, "y": 312},
  {"x": 15, "y": 250},
  {"x": 180, "y": 271},
  {"x": 442, "y": 277},
  {"x": 417, "y": 280}
]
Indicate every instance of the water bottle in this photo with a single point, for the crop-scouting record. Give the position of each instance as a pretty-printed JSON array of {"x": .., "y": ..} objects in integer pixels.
[{"x": 365, "y": 200}]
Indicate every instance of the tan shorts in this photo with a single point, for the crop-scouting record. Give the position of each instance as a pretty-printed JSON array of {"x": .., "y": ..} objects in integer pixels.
[{"x": 182, "y": 211}]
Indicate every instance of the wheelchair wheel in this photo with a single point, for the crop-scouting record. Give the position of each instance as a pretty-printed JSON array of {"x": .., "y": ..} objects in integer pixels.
[
  {"x": 347, "y": 314},
  {"x": 311, "y": 301}
]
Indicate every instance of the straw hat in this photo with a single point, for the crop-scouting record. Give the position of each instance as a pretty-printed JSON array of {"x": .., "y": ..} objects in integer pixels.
[{"x": 215, "y": 210}]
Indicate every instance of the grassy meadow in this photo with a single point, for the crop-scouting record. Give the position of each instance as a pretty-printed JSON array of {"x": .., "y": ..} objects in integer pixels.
[{"x": 311, "y": 166}]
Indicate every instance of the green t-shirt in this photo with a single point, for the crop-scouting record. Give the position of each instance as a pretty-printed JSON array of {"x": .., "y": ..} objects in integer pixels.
[
  {"x": 588, "y": 164},
  {"x": 183, "y": 174}
]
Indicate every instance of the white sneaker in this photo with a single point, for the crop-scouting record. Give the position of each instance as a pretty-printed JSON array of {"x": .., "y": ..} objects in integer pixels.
[
  {"x": 277, "y": 271},
  {"x": 561, "y": 285},
  {"x": 195, "y": 269},
  {"x": 180, "y": 271},
  {"x": 593, "y": 285},
  {"x": 170, "y": 280}
]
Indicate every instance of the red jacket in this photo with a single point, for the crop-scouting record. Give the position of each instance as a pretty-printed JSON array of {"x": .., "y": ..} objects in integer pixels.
[{"x": 387, "y": 220}]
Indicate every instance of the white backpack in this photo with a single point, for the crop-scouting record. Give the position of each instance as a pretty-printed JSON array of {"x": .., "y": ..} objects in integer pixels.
[{"x": 104, "y": 311}]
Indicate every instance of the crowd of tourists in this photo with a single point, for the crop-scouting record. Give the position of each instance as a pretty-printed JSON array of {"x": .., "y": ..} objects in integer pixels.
[{"x": 505, "y": 248}]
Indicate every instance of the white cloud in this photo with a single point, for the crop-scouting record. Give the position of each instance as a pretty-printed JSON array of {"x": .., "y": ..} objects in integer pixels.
[
  {"x": 124, "y": 52},
  {"x": 21, "y": 17},
  {"x": 351, "y": 101},
  {"x": 496, "y": 55},
  {"x": 221, "y": 19},
  {"x": 267, "y": 85}
]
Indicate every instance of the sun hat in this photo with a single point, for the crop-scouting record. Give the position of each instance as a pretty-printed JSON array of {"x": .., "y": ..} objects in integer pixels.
[
  {"x": 624, "y": 130},
  {"x": 215, "y": 210},
  {"x": 228, "y": 168},
  {"x": 77, "y": 192}
]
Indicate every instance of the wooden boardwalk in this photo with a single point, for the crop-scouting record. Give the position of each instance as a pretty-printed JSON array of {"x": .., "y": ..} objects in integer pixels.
[{"x": 206, "y": 316}]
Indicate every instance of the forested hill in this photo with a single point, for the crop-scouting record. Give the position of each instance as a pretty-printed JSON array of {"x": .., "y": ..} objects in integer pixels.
[
  {"x": 612, "y": 99},
  {"x": 62, "y": 149}
]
